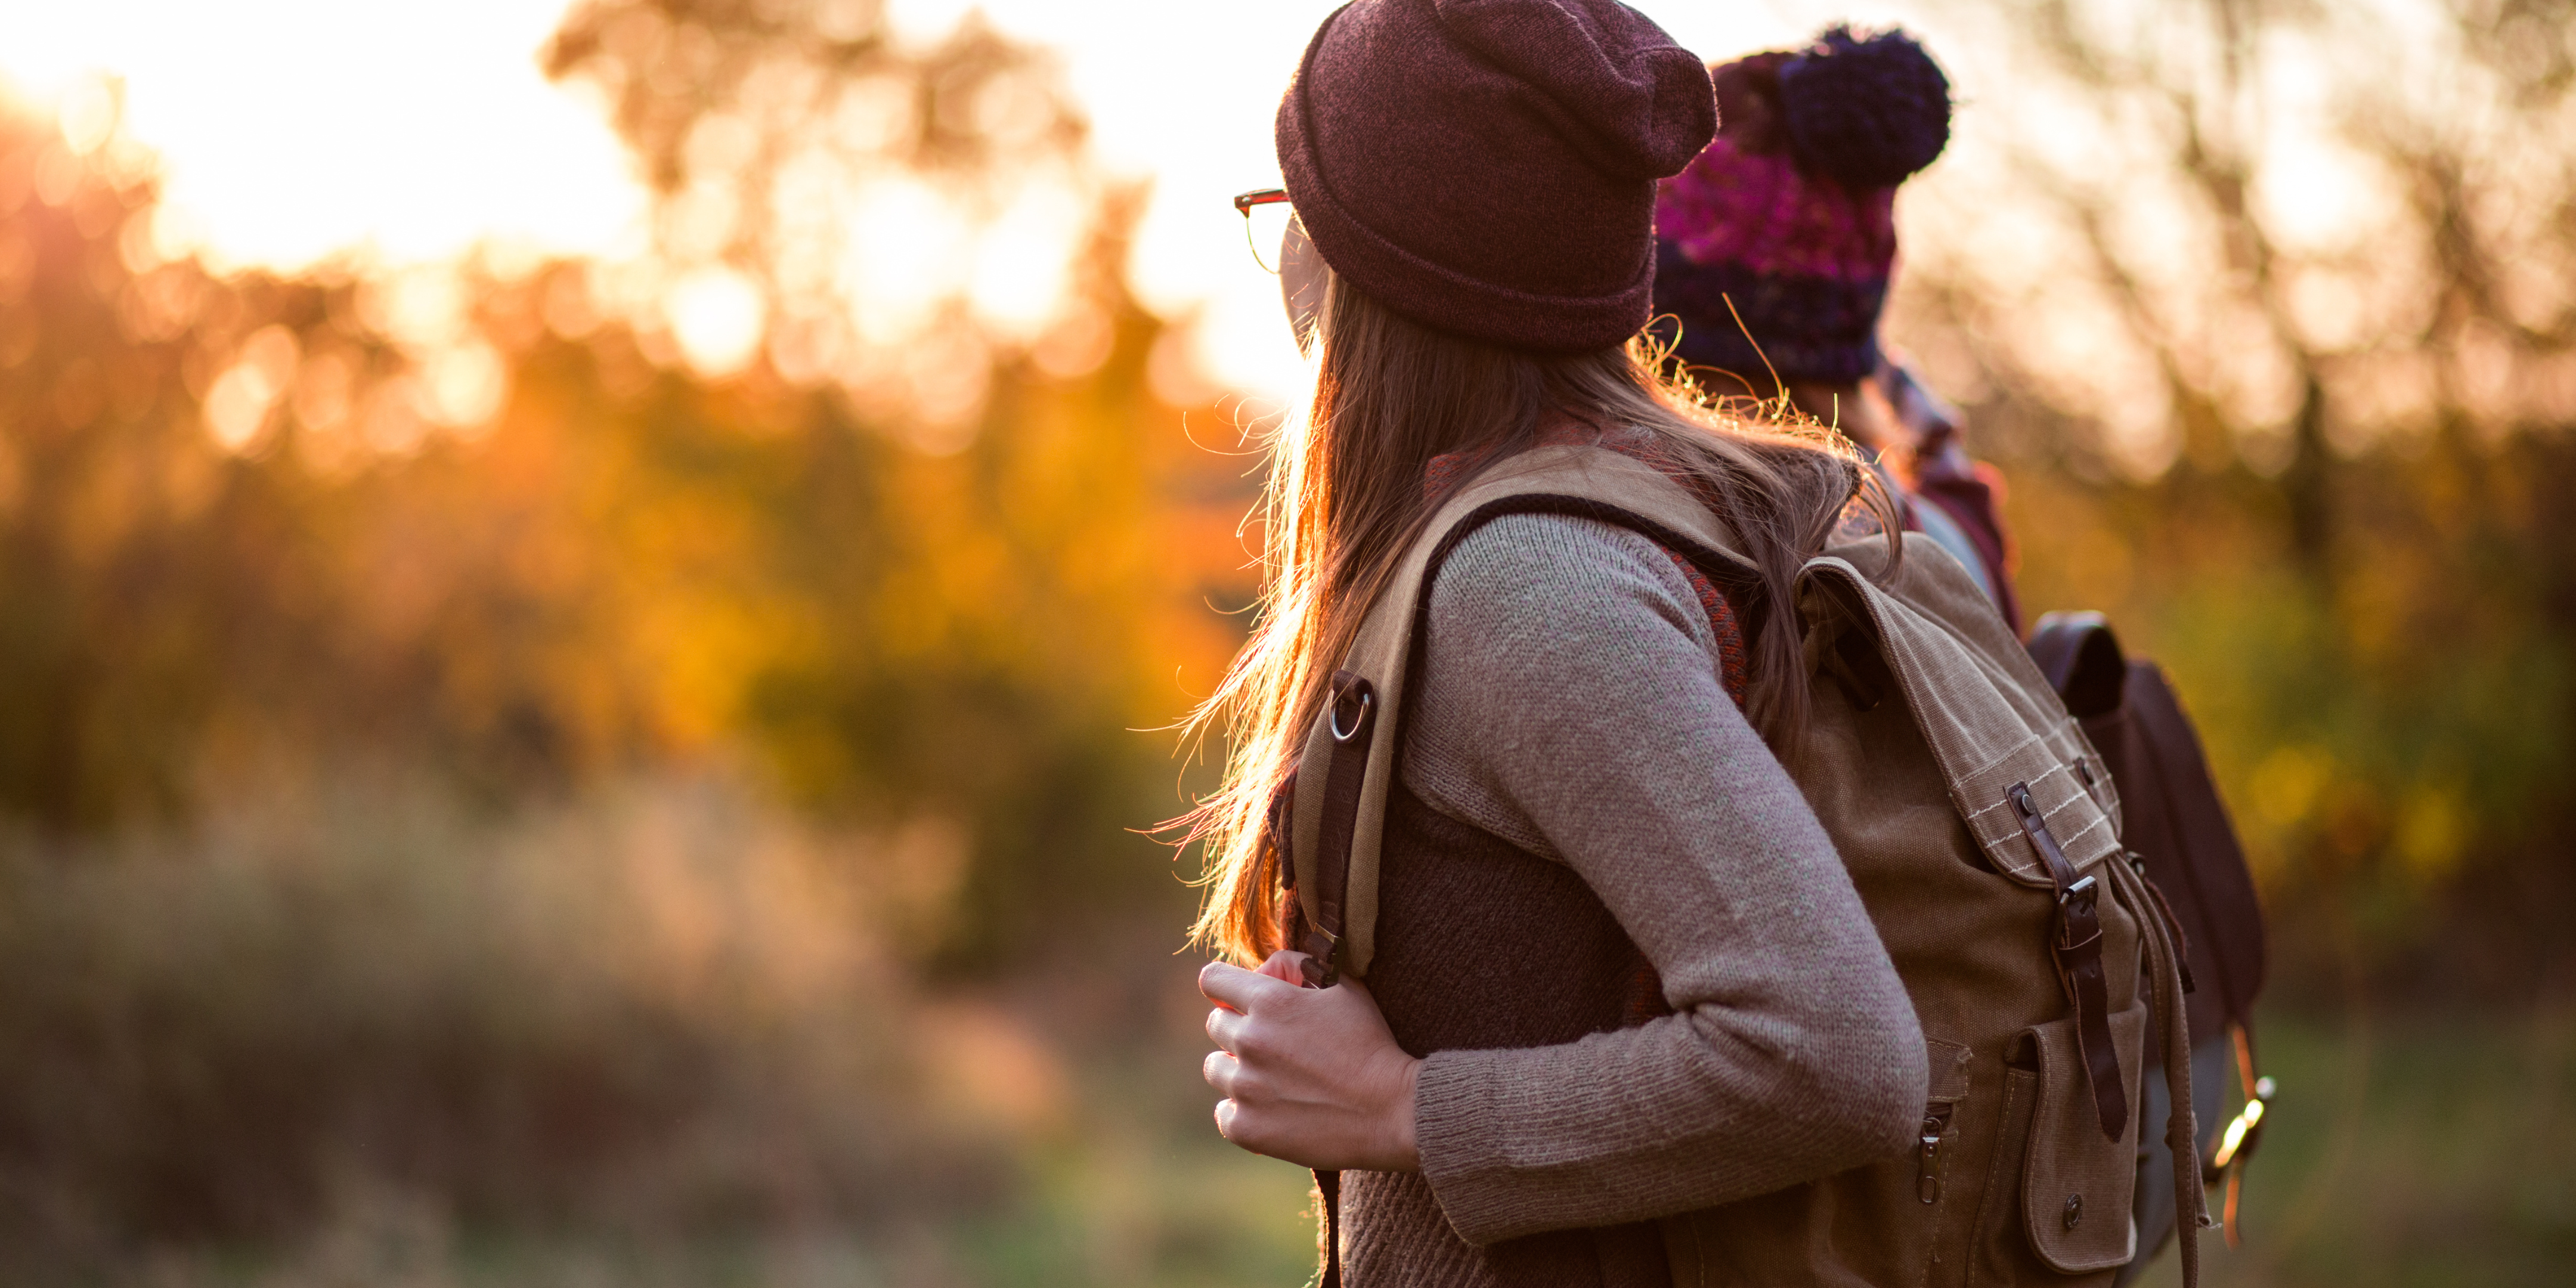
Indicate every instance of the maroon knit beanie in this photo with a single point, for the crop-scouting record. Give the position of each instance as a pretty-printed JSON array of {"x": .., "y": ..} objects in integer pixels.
[{"x": 1488, "y": 167}]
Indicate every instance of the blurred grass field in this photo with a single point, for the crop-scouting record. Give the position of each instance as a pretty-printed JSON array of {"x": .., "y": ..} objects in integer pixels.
[
  {"x": 2416, "y": 1151},
  {"x": 2424, "y": 1152},
  {"x": 647, "y": 1037},
  {"x": 764, "y": 1110}
]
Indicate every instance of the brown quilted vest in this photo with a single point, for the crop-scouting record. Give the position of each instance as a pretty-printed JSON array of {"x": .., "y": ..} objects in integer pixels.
[{"x": 1982, "y": 833}]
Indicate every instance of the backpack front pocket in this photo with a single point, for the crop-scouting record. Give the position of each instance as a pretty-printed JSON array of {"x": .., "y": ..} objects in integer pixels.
[{"x": 2077, "y": 1184}]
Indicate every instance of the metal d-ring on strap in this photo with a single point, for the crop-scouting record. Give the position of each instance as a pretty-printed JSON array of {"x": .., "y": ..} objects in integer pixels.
[
  {"x": 1356, "y": 705},
  {"x": 2078, "y": 949},
  {"x": 1351, "y": 717}
]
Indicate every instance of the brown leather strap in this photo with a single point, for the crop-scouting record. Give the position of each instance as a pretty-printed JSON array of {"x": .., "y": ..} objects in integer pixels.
[
  {"x": 2078, "y": 949},
  {"x": 1328, "y": 1194},
  {"x": 1278, "y": 829},
  {"x": 2241, "y": 1137},
  {"x": 2245, "y": 1078},
  {"x": 1351, "y": 716},
  {"x": 2173, "y": 927}
]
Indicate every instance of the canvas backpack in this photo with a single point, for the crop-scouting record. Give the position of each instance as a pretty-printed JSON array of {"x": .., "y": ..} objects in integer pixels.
[{"x": 1983, "y": 835}]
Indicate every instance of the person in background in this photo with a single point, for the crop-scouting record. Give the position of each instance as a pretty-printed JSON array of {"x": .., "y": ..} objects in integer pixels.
[
  {"x": 1774, "y": 251},
  {"x": 1773, "y": 254}
]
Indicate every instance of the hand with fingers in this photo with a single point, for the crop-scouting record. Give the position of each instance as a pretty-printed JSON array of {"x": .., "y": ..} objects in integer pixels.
[{"x": 1312, "y": 1076}]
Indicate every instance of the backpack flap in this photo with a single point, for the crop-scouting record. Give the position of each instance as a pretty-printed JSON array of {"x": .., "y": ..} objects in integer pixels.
[{"x": 1991, "y": 726}]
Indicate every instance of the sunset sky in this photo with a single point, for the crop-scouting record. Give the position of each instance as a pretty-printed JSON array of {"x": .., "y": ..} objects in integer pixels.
[{"x": 293, "y": 131}]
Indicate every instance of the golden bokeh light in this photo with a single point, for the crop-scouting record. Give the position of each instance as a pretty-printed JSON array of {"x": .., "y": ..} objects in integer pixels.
[{"x": 716, "y": 315}]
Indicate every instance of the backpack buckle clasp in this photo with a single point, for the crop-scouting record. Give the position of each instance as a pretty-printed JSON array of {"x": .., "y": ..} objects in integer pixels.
[{"x": 2085, "y": 895}]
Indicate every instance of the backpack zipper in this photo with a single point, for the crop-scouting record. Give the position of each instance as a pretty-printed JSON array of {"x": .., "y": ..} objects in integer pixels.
[{"x": 1927, "y": 1176}]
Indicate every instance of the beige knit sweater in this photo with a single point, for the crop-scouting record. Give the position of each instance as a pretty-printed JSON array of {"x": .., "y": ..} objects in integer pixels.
[{"x": 1571, "y": 705}]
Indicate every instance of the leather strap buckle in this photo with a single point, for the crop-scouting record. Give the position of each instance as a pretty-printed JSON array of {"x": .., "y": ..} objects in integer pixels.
[
  {"x": 2077, "y": 949},
  {"x": 2084, "y": 893},
  {"x": 2079, "y": 919}
]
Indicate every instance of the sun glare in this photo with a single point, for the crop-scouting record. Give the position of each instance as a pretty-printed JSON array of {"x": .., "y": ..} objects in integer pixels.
[
  {"x": 294, "y": 131},
  {"x": 716, "y": 314}
]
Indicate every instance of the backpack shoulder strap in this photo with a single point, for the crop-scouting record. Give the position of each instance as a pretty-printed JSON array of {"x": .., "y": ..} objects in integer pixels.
[
  {"x": 2082, "y": 659},
  {"x": 1350, "y": 754}
]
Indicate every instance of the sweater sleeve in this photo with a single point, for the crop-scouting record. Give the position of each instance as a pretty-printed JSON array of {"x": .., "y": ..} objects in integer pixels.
[{"x": 1572, "y": 705}]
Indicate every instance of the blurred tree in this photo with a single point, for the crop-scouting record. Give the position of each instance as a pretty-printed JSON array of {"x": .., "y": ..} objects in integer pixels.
[
  {"x": 862, "y": 184},
  {"x": 151, "y": 580},
  {"x": 927, "y": 234},
  {"x": 255, "y": 529},
  {"x": 485, "y": 539},
  {"x": 2270, "y": 304}
]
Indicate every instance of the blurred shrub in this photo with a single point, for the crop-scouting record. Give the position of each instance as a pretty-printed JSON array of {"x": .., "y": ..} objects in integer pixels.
[{"x": 650, "y": 1011}]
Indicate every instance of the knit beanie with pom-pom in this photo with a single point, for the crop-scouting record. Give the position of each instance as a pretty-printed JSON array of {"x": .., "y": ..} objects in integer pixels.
[{"x": 1790, "y": 214}]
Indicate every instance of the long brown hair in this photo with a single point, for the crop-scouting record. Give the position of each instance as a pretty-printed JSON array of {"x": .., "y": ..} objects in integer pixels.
[{"x": 1346, "y": 499}]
